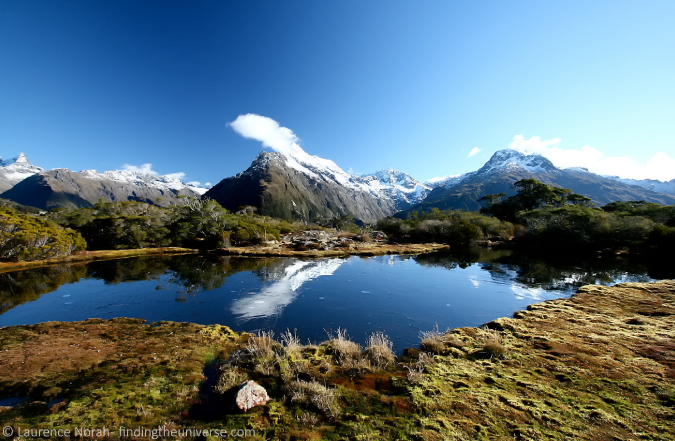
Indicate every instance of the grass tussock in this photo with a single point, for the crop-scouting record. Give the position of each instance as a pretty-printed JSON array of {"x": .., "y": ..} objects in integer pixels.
[
  {"x": 433, "y": 341},
  {"x": 230, "y": 376},
  {"x": 291, "y": 344},
  {"x": 345, "y": 352},
  {"x": 380, "y": 350},
  {"x": 262, "y": 350},
  {"x": 493, "y": 343},
  {"x": 318, "y": 395}
]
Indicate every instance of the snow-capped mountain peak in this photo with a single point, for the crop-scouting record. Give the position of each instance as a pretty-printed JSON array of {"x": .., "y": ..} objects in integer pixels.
[
  {"x": 509, "y": 158},
  {"x": 15, "y": 170}
]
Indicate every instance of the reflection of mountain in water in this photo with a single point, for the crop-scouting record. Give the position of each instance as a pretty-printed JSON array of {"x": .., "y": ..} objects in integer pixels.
[
  {"x": 282, "y": 291},
  {"x": 186, "y": 274}
]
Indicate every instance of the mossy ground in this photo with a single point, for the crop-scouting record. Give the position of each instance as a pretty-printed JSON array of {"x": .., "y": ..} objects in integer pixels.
[{"x": 600, "y": 365}]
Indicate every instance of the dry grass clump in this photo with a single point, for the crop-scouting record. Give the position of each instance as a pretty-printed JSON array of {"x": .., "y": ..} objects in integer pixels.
[
  {"x": 291, "y": 344},
  {"x": 417, "y": 369},
  {"x": 437, "y": 342},
  {"x": 433, "y": 341},
  {"x": 316, "y": 394},
  {"x": 230, "y": 376},
  {"x": 493, "y": 343},
  {"x": 345, "y": 352},
  {"x": 261, "y": 349},
  {"x": 380, "y": 350}
]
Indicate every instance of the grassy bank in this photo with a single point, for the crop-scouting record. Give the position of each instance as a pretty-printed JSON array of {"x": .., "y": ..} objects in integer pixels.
[{"x": 600, "y": 365}]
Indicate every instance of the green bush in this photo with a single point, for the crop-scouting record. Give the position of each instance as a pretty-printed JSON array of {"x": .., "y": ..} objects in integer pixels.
[
  {"x": 459, "y": 228},
  {"x": 24, "y": 237}
]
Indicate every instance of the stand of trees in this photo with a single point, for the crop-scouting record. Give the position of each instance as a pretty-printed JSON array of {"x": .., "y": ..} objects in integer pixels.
[
  {"x": 196, "y": 224},
  {"x": 460, "y": 228},
  {"x": 557, "y": 219}
]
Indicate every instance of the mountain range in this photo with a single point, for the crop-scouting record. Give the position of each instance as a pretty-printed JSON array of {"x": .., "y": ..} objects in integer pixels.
[
  {"x": 26, "y": 184},
  {"x": 295, "y": 185},
  {"x": 508, "y": 166}
]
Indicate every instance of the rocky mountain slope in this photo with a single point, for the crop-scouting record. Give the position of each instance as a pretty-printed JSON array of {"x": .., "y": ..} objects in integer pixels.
[
  {"x": 508, "y": 166},
  {"x": 65, "y": 188},
  {"x": 301, "y": 187}
]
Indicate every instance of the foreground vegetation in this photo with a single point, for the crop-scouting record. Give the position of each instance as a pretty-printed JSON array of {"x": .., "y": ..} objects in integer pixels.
[{"x": 600, "y": 365}]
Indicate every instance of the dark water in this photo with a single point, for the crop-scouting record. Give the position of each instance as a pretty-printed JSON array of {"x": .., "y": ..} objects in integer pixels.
[{"x": 399, "y": 295}]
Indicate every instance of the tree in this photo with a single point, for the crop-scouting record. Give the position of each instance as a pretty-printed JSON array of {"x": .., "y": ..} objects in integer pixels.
[{"x": 203, "y": 221}]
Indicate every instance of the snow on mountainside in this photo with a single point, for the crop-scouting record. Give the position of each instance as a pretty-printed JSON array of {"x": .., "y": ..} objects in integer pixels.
[
  {"x": 502, "y": 160},
  {"x": 444, "y": 181},
  {"x": 649, "y": 184},
  {"x": 137, "y": 179},
  {"x": 513, "y": 159},
  {"x": 15, "y": 170},
  {"x": 396, "y": 185}
]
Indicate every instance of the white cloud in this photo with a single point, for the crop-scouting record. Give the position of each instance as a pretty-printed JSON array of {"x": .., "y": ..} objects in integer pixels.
[
  {"x": 474, "y": 151},
  {"x": 267, "y": 131},
  {"x": 144, "y": 168},
  {"x": 179, "y": 175},
  {"x": 660, "y": 166},
  {"x": 194, "y": 183},
  {"x": 532, "y": 145},
  {"x": 208, "y": 184}
]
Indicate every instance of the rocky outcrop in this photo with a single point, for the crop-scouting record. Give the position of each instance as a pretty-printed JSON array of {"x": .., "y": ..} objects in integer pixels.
[{"x": 251, "y": 394}]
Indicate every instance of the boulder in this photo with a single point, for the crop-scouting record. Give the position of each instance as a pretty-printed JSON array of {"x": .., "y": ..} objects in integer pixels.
[{"x": 251, "y": 394}]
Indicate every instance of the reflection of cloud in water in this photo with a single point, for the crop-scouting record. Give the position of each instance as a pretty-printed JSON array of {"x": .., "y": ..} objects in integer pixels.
[
  {"x": 474, "y": 282},
  {"x": 272, "y": 299},
  {"x": 522, "y": 292}
]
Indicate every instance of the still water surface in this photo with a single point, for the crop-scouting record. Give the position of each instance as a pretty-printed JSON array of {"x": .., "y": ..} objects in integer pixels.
[{"x": 399, "y": 295}]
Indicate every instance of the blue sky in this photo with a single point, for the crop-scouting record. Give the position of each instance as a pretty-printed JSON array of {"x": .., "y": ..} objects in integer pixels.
[{"x": 416, "y": 86}]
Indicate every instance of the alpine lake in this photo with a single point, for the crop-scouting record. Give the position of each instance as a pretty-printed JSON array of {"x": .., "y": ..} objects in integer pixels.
[{"x": 403, "y": 296}]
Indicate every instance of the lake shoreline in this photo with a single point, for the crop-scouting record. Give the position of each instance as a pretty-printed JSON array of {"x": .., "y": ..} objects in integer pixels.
[
  {"x": 367, "y": 249},
  {"x": 598, "y": 364},
  {"x": 91, "y": 256}
]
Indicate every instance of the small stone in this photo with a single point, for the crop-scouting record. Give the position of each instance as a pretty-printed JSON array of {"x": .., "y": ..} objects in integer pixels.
[{"x": 251, "y": 394}]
